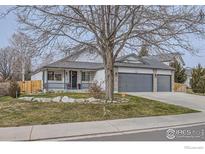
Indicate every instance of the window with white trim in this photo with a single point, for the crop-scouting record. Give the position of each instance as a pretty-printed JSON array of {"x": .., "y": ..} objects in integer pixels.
[
  {"x": 53, "y": 76},
  {"x": 87, "y": 76}
]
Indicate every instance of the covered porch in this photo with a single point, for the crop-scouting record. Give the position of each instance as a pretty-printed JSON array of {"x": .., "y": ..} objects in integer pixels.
[{"x": 67, "y": 79}]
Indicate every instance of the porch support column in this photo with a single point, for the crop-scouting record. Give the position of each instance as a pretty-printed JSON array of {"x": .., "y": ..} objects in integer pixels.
[
  {"x": 71, "y": 80},
  {"x": 43, "y": 84},
  {"x": 64, "y": 78},
  {"x": 79, "y": 80},
  {"x": 47, "y": 80},
  {"x": 154, "y": 80},
  {"x": 115, "y": 79}
]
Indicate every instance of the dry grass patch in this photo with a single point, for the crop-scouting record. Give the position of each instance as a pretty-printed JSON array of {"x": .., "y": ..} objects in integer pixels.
[{"x": 15, "y": 112}]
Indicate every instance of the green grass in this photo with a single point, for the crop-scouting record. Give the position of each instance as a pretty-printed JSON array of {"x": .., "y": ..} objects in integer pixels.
[{"x": 15, "y": 112}]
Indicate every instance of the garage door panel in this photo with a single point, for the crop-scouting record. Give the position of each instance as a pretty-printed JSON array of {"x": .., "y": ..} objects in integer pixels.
[
  {"x": 135, "y": 82},
  {"x": 163, "y": 83}
]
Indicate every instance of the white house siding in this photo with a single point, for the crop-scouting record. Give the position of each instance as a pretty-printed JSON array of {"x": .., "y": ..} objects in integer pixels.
[
  {"x": 88, "y": 57},
  {"x": 135, "y": 70},
  {"x": 37, "y": 76},
  {"x": 164, "y": 72},
  {"x": 100, "y": 78},
  {"x": 187, "y": 82}
]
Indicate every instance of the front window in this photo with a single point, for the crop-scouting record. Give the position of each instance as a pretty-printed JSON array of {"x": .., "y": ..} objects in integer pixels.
[
  {"x": 54, "y": 76},
  {"x": 87, "y": 76},
  {"x": 58, "y": 77},
  {"x": 50, "y": 75}
]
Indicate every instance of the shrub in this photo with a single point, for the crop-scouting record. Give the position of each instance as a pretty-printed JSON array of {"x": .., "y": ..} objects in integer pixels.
[
  {"x": 95, "y": 90},
  {"x": 179, "y": 74},
  {"x": 201, "y": 85},
  {"x": 14, "y": 89},
  {"x": 198, "y": 79}
]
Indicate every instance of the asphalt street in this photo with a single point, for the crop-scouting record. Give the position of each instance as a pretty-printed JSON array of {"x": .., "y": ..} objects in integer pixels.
[{"x": 192, "y": 133}]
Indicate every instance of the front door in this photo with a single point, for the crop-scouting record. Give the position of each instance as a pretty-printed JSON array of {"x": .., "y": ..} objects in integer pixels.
[{"x": 73, "y": 79}]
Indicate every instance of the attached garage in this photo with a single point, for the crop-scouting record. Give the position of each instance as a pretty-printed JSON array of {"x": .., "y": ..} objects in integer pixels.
[
  {"x": 142, "y": 75},
  {"x": 135, "y": 82},
  {"x": 163, "y": 83}
]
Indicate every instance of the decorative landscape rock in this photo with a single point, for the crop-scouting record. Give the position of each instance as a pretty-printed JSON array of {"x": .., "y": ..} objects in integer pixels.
[
  {"x": 66, "y": 99},
  {"x": 56, "y": 99},
  {"x": 37, "y": 100},
  {"x": 92, "y": 99},
  {"x": 124, "y": 100},
  {"x": 46, "y": 100},
  {"x": 26, "y": 98},
  {"x": 81, "y": 100}
]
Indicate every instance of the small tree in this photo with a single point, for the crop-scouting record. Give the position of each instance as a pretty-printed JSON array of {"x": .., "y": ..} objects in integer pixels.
[
  {"x": 95, "y": 90},
  {"x": 201, "y": 85},
  {"x": 198, "y": 79},
  {"x": 14, "y": 89},
  {"x": 179, "y": 75}
]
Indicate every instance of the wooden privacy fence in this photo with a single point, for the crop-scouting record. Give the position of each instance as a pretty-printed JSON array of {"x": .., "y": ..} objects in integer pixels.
[
  {"x": 4, "y": 88},
  {"x": 178, "y": 87},
  {"x": 32, "y": 86}
]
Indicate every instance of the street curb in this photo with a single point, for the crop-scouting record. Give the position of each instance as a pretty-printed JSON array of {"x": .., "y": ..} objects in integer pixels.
[{"x": 84, "y": 136}]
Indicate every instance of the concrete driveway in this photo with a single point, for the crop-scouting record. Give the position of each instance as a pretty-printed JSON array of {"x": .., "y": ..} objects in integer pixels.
[{"x": 187, "y": 100}]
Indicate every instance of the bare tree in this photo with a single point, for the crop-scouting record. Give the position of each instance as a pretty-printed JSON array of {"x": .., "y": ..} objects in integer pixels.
[
  {"x": 24, "y": 50},
  {"x": 6, "y": 62},
  {"x": 46, "y": 59},
  {"x": 111, "y": 30}
]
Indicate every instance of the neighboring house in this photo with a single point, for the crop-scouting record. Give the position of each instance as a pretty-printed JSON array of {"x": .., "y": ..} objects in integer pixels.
[
  {"x": 168, "y": 58},
  {"x": 131, "y": 74},
  {"x": 189, "y": 76}
]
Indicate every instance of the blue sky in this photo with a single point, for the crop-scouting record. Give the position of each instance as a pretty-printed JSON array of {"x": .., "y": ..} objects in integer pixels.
[{"x": 9, "y": 25}]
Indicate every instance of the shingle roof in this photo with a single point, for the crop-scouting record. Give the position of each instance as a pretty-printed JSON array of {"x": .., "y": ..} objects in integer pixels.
[
  {"x": 165, "y": 57},
  {"x": 74, "y": 65},
  {"x": 145, "y": 62}
]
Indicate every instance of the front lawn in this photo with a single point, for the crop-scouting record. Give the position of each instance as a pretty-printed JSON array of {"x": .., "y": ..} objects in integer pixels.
[{"x": 14, "y": 112}]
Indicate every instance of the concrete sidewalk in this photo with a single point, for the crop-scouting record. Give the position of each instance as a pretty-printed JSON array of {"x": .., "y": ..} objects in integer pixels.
[{"x": 80, "y": 129}]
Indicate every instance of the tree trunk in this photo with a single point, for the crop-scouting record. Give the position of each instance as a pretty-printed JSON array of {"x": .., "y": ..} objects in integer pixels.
[
  {"x": 23, "y": 71},
  {"x": 109, "y": 78}
]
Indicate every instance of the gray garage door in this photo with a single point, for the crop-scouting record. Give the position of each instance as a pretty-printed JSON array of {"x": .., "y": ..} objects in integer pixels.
[
  {"x": 163, "y": 83},
  {"x": 128, "y": 82}
]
